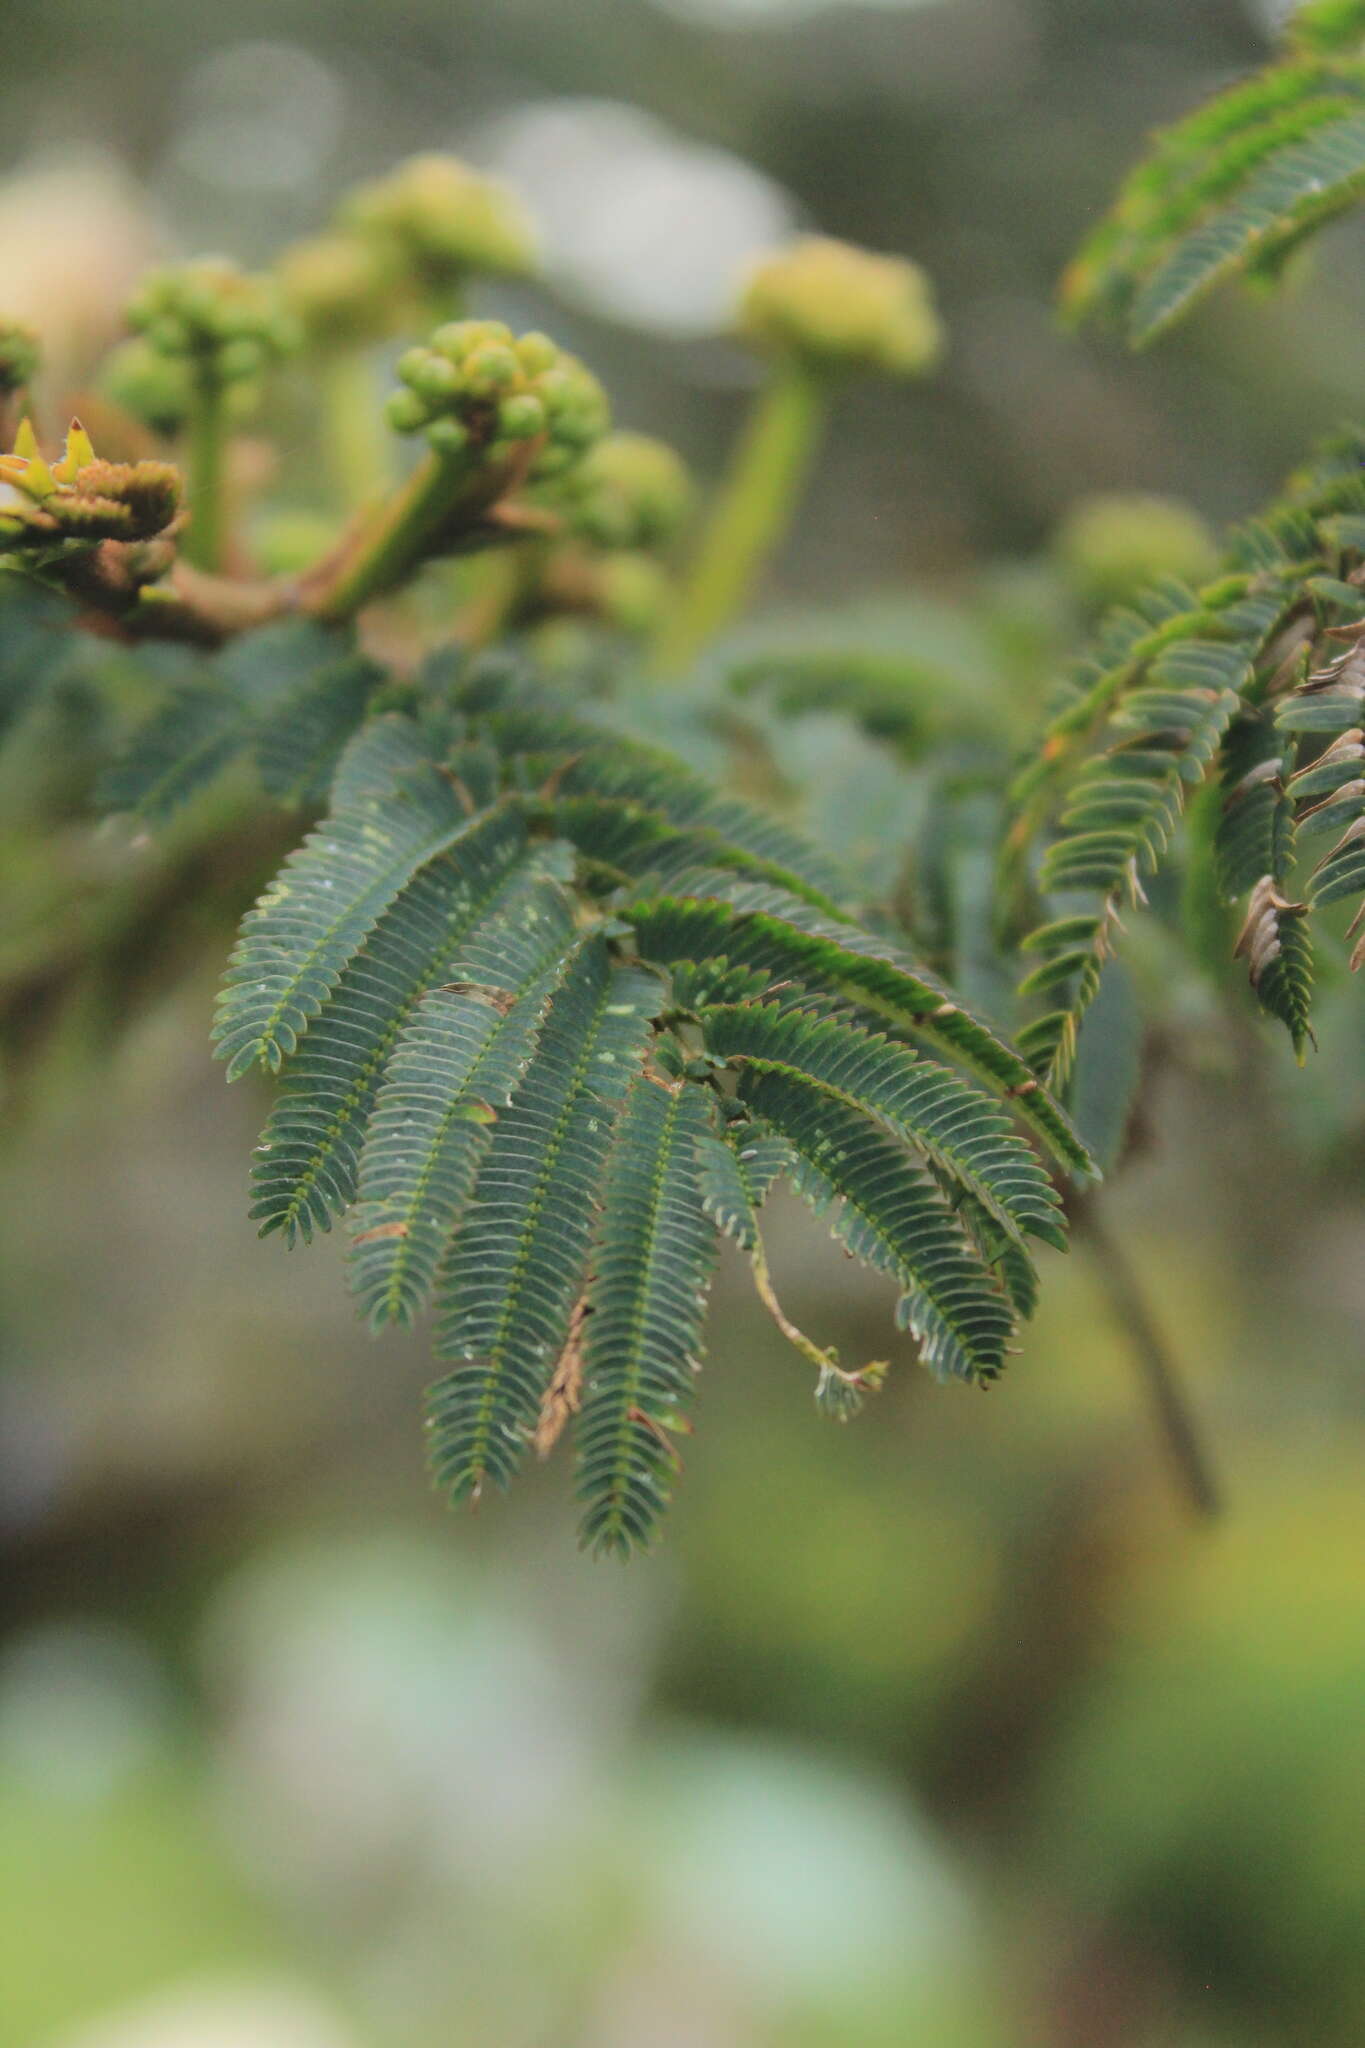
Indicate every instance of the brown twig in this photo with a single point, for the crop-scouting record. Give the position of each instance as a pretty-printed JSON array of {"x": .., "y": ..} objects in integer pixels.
[{"x": 1185, "y": 1448}]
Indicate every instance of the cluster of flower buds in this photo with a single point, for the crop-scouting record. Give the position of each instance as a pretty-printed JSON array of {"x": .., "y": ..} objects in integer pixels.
[
  {"x": 155, "y": 389},
  {"x": 343, "y": 289},
  {"x": 401, "y": 250},
  {"x": 837, "y": 308},
  {"x": 478, "y": 391},
  {"x": 80, "y": 498},
  {"x": 1116, "y": 542},
  {"x": 629, "y": 492},
  {"x": 19, "y": 356},
  {"x": 213, "y": 316},
  {"x": 445, "y": 221}
]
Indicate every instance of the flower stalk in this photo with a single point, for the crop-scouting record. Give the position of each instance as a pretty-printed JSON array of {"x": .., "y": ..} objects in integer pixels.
[{"x": 752, "y": 513}]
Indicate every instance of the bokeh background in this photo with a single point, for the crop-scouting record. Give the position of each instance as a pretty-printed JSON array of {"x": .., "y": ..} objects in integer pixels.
[{"x": 951, "y": 1727}]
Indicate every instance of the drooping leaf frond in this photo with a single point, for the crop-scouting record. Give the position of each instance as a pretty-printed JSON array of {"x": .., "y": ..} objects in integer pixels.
[
  {"x": 512, "y": 981},
  {"x": 288, "y": 697},
  {"x": 515, "y": 1271},
  {"x": 764, "y": 929},
  {"x": 456, "y": 1065},
  {"x": 35, "y": 644},
  {"x": 310, "y": 1149},
  {"x": 738, "y": 1171},
  {"x": 315, "y": 917},
  {"x": 892, "y": 1215},
  {"x": 952, "y": 1122},
  {"x": 1256, "y": 680},
  {"x": 651, "y": 1269},
  {"x": 1236, "y": 185}
]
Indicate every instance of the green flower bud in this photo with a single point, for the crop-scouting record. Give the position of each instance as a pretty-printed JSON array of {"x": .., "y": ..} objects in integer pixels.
[
  {"x": 215, "y": 312},
  {"x": 536, "y": 352},
  {"x": 434, "y": 378},
  {"x": 499, "y": 394},
  {"x": 1111, "y": 545},
  {"x": 629, "y": 491},
  {"x": 489, "y": 369},
  {"x": 447, "y": 438},
  {"x": 339, "y": 288},
  {"x": 521, "y": 419},
  {"x": 835, "y": 307},
  {"x": 153, "y": 387},
  {"x": 238, "y": 360},
  {"x": 19, "y": 357},
  {"x": 445, "y": 221},
  {"x": 406, "y": 412},
  {"x": 633, "y": 592}
]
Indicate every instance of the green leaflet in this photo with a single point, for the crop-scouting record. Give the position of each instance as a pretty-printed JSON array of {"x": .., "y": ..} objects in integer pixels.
[
  {"x": 310, "y": 1149},
  {"x": 962, "y": 1130},
  {"x": 513, "y": 1274},
  {"x": 757, "y": 927},
  {"x": 292, "y": 692},
  {"x": 322, "y": 906},
  {"x": 1255, "y": 834},
  {"x": 894, "y": 1217},
  {"x": 35, "y": 643},
  {"x": 1235, "y": 185},
  {"x": 737, "y": 1171},
  {"x": 583, "y": 760},
  {"x": 631, "y": 843},
  {"x": 892, "y": 697},
  {"x": 1278, "y": 948},
  {"x": 300, "y": 739},
  {"x": 456, "y": 1065},
  {"x": 381, "y": 753},
  {"x": 651, "y": 1268},
  {"x": 186, "y": 743},
  {"x": 1305, "y": 183}
]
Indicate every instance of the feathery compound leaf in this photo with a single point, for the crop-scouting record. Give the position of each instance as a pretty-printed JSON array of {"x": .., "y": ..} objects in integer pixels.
[
  {"x": 893, "y": 1216},
  {"x": 962, "y": 1130},
  {"x": 376, "y": 758},
  {"x": 1255, "y": 834},
  {"x": 738, "y": 1170},
  {"x": 1234, "y": 186},
  {"x": 299, "y": 740},
  {"x": 1327, "y": 26},
  {"x": 293, "y": 692},
  {"x": 177, "y": 752},
  {"x": 1117, "y": 824},
  {"x": 758, "y": 927},
  {"x": 35, "y": 641},
  {"x": 1279, "y": 954},
  {"x": 892, "y": 697},
  {"x": 456, "y": 1065},
  {"x": 651, "y": 1268},
  {"x": 628, "y": 842},
  {"x": 320, "y": 909},
  {"x": 518, "y": 1265},
  {"x": 1302, "y": 185},
  {"x": 583, "y": 760},
  {"x": 310, "y": 1149}
]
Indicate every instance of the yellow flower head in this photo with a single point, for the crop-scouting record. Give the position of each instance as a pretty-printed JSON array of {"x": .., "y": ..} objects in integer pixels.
[{"x": 836, "y": 307}]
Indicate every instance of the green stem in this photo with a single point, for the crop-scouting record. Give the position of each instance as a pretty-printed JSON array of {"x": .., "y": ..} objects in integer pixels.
[
  {"x": 206, "y": 467},
  {"x": 751, "y": 515},
  {"x": 356, "y": 440},
  {"x": 403, "y": 534}
]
